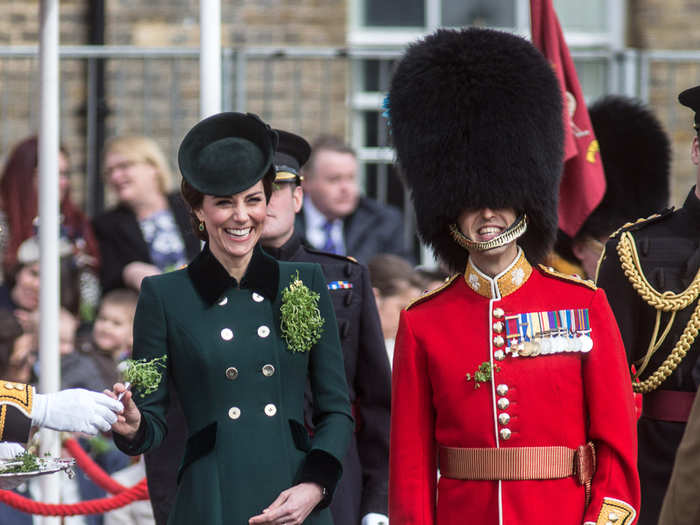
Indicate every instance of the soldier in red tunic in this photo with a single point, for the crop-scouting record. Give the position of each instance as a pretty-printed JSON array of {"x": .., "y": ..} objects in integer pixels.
[{"x": 510, "y": 380}]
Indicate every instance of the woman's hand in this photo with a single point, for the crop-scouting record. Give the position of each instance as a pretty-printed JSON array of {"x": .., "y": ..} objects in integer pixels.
[
  {"x": 129, "y": 420},
  {"x": 292, "y": 506}
]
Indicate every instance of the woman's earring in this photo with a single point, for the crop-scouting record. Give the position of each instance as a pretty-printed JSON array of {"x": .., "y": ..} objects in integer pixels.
[{"x": 201, "y": 226}]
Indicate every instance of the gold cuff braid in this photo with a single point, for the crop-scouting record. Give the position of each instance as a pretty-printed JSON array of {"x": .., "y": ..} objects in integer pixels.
[{"x": 666, "y": 302}]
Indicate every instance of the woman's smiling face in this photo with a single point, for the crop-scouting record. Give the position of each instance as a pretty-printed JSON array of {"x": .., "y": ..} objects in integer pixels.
[{"x": 234, "y": 223}]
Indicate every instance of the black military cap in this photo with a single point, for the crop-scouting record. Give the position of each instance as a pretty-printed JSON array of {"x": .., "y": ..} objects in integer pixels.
[
  {"x": 691, "y": 98},
  {"x": 292, "y": 153},
  {"x": 227, "y": 153}
]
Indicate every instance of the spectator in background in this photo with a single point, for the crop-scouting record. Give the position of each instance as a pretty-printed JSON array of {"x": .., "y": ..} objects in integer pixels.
[
  {"x": 395, "y": 284},
  {"x": 19, "y": 209},
  {"x": 78, "y": 370},
  {"x": 335, "y": 218},
  {"x": 112, "y": 334},
  {"x": 20, "y": 292},
  {"x": 17, "y": 350},
  {"x": 148, "y": 231},
  {"x": 432, "y": 277}
]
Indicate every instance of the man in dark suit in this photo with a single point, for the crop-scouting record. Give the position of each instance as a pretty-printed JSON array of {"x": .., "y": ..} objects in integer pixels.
[
  {"x": 651, "y": 273},
  {"x": 335, "y": 217},
  {"x": 361, "y": 496}
]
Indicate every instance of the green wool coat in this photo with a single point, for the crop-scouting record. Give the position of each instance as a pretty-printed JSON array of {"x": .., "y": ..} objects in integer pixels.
[{"x": 241, "y": 388}]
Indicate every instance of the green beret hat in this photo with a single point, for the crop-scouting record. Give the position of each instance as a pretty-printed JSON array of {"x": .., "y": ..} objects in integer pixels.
[{"x": 227, "y": 153}]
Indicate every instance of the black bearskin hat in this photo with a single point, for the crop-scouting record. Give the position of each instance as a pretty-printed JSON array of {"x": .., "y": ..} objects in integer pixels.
[
  {"x": 476, "y": 120},
  {"x": 636, "y": 155}
]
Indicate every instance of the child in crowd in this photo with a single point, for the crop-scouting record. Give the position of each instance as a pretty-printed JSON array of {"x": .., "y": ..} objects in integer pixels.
[
  {"x": 395, "y": 284},
  {"x": 112, "y": 333},
  {"x": 78, "y": 370}
]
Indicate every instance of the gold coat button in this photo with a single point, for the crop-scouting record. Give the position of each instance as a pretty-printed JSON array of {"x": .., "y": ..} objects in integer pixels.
[
  {"x": 498, "y": 313},
  {"x": 502, "y": 389},
  {"x": 270, "y": 409},
  {"x": 498, "y": 340},
  {"x": 9, "y": 386},
  {"x": 257, "y": 297},
  {"x": 613, "y": 517},
  {"x": 503, "y": 403},
  {"x": 234, "y": 412},
  {"x": 223, "y": 301},
  {"x": 503, "y": 418},
  {"x": 498, "y": 327},
  {"x": 268, "y": 370},
  {"x": 263, "y": 331},
  {"x": 226, "y": 334},
  {"x": 231, "y": 373},
  {"x": 499, "y": 355},
  {"x": 505, "y": 433}
]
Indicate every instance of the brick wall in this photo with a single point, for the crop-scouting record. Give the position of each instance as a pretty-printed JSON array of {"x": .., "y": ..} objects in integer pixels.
[{"x": 670, "y": 24}]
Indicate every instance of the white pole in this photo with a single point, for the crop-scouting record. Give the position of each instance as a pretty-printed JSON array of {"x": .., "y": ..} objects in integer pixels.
[
  {"x": 48, "y": 231},
  {"x": 210, "y": 57}
]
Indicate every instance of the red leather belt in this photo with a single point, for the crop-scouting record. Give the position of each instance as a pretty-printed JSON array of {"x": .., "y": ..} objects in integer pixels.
[{"x": 668, "y": 405}]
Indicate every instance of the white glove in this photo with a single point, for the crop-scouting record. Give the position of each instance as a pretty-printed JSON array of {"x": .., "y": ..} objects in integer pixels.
[
  {"x": 10, "y": 450},
  {"x": 75, "y": 410},
  {"x": 374, "y": 518}
]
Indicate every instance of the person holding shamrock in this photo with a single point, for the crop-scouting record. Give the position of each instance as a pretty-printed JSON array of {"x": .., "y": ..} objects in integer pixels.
[{"x": 244, "y": 334}]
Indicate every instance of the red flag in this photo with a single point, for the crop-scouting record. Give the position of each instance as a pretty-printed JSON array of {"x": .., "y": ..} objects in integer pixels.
[{"x": 583, "y": 182}]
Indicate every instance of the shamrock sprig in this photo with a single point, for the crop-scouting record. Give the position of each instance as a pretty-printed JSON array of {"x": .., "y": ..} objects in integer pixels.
[
  {"x": 145, "y": 375},
  {"x": 302, "y": 324},
  {"x": 482, "y": 374}
]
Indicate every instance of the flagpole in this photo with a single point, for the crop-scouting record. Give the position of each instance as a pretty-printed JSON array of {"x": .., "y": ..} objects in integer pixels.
[
  {"x": 49, "y": 380},
  {"x": 210, "y": 57}
]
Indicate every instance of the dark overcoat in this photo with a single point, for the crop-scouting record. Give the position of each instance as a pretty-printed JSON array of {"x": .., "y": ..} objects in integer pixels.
[
  {"x": 364, "y": 485},
  {"x": 241, "y": 388},
  {"x": 668, "y": 247}
]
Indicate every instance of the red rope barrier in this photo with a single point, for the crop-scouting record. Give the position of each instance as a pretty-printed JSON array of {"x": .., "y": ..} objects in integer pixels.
[
  {"x": 92, "y": 469},
  {"x": 94, "y": 506}
]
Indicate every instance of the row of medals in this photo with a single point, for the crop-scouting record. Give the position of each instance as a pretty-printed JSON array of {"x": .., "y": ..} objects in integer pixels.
[{"x": 552, "y": 343}]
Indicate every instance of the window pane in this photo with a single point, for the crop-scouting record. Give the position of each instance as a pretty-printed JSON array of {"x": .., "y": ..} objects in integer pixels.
[
  {"x": 592, "y": 74},
  {"x": 494, "y": 13},
  {"x": 575, "y": 15},
  {"x": 394, "y": 13}
]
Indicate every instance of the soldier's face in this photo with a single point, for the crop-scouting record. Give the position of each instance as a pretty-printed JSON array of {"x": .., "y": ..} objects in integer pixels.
[
  {"x": 332, "y": 184},
  {"x": 285, "y": 202},
  {"x": 234, "y": 223},
  {"x": 484, "y": 224}
]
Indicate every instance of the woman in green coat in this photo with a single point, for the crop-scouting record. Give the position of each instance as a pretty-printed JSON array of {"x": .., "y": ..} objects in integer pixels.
[{"x": 242, "y": 336}]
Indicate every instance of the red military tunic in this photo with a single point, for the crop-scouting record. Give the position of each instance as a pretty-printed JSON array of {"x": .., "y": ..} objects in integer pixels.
[{"x": 561, "y": 399}]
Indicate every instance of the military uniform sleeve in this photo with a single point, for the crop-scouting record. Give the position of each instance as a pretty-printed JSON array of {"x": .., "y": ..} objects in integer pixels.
[
  {"x": 332, "y": 415},
  {"x": 608, "y": 393},
  {"x": 150, "y": 342},
  {"x": 412, "y": 463},
  {"x": 16, "y": 401},
  {"x": 681, "y": 503},
  {"x": 373, "y": 405}
]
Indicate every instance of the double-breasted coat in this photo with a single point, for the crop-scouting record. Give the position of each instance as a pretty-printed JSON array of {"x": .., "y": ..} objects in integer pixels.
[
  {"x": 241, "y": 388},
  {"x": 560, "y": 399},
  {"x": 668, "y": 250},
  {"x": 363, "y": 487}
]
